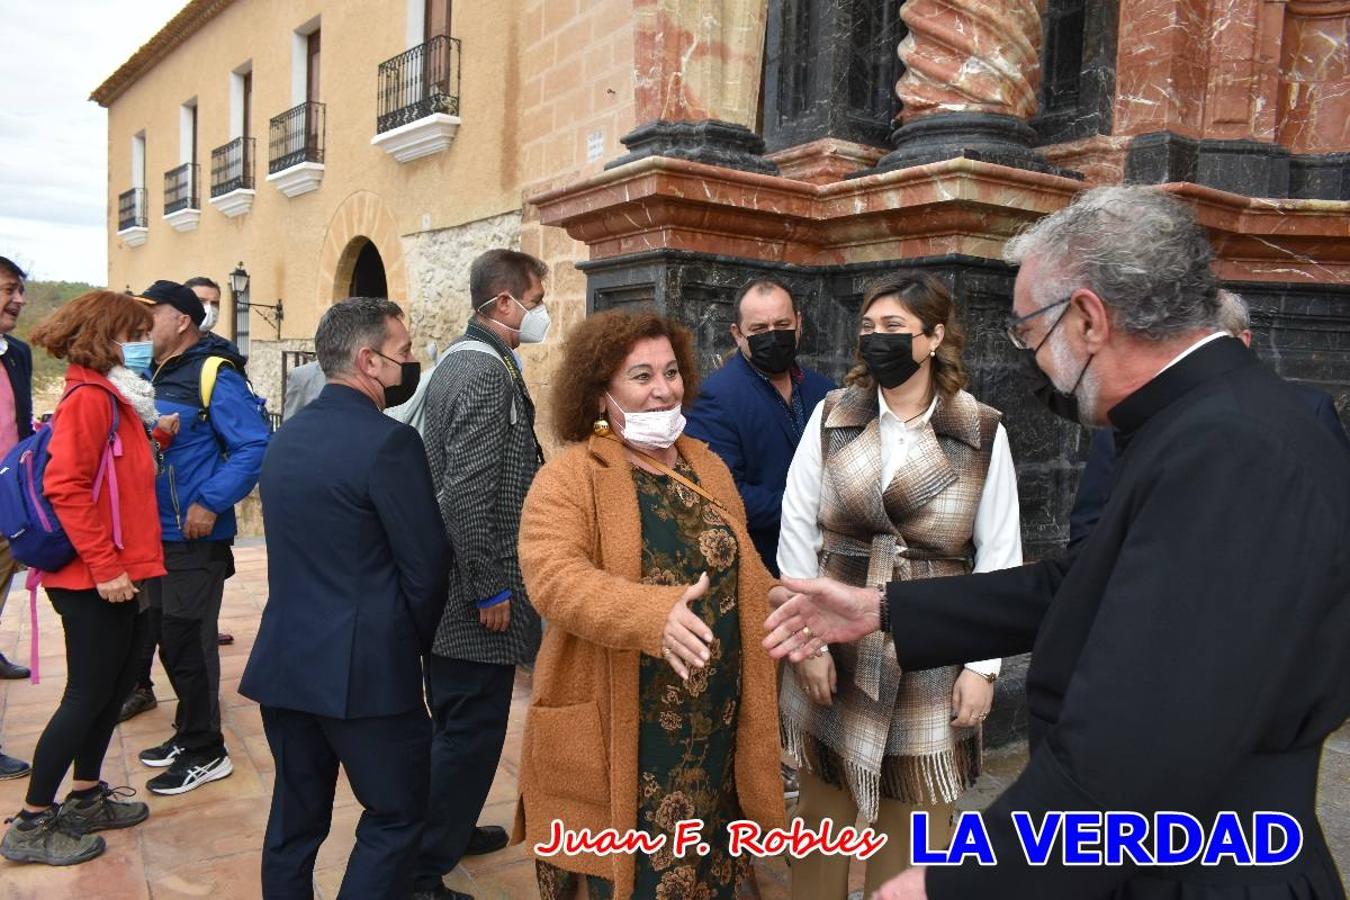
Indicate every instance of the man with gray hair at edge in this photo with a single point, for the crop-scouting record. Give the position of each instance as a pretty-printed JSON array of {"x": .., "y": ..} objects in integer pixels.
[
  {"x": 1094, "y": 486},
  {"x": 1190, "y": 657}
]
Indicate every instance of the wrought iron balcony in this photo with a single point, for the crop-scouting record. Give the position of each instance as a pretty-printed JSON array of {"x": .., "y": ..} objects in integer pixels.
[
  {"x": 418, "y": 83},
  {"x": 180, "y": 188},
  {"x": 131, "y": 211},
  {"x": 232, "y": 166},
  {"x": 296, "y": 136}
]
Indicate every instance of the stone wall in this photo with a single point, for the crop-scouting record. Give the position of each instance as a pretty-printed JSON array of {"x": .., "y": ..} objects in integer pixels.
[
  {"x": 438, "y": 274},
  {"x": 264, "y": 367}
]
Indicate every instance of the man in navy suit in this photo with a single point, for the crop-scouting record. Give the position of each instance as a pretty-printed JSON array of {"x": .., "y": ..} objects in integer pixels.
[
  {"x": 752, "y": 410},
  {"x": 357, "y": 563},
  {"x": 1095, "y": 485}
]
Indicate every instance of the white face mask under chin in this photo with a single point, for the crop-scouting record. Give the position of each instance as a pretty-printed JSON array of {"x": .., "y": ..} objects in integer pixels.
[
  {"x": 653, "y": 430},
  {"x": 212, "y": 316}
]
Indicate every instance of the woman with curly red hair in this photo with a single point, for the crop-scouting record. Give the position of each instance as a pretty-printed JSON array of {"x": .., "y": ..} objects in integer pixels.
[
  {"x": 652, "y": 701},
  {"x": 104, "y": 337}
]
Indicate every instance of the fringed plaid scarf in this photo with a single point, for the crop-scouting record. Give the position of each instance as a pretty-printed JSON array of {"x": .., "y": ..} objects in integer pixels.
[{"x": 887, "y": 731}]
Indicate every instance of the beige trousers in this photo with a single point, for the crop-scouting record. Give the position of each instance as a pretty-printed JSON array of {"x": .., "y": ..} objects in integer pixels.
[
  {"x": 8, "y": 569},
  {"x": 821, "y": 877}
]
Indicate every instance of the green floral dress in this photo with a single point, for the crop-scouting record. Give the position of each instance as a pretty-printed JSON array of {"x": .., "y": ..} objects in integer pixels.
[{"x": 686, "y": 729}]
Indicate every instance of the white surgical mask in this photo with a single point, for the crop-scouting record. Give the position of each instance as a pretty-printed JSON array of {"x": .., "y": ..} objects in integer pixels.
[
  {"x": 654, "y": 430},
  {"x": 533, "y": 327},
  {"x": 212, "y": 314}
]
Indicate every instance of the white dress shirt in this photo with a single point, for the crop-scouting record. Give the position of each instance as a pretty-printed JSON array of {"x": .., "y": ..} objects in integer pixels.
[{"x": 997, "y": 532}]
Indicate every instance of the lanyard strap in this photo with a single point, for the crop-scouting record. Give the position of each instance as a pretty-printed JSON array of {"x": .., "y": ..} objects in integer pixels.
[{"x": 667, "y": 470}]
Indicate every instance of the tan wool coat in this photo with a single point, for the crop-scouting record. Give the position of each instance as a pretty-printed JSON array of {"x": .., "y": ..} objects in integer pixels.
[{"x": 581, "y": 556}]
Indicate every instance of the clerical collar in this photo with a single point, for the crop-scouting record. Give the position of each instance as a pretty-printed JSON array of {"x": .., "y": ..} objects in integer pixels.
[{"x": 1206, "y": 359}]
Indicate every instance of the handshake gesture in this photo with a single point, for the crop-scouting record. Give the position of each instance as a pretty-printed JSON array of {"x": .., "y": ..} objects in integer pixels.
[{"x": 813, "y": 613}]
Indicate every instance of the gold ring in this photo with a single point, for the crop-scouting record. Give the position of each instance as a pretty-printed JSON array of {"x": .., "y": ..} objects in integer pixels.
[{"x": 806, "y": 630}]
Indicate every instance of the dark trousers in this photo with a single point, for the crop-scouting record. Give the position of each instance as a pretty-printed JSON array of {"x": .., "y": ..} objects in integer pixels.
[
  {"x": 470, "y": 703},
  {"x": 147, "y": 639},
  {"x": 387, "y": 762},
  {"x": 100, "y": 669},
  {"x": 188, "y": 598}
]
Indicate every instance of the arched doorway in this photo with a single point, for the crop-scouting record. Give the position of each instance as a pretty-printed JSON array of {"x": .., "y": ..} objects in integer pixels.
[{"x": 368, "y": 279}]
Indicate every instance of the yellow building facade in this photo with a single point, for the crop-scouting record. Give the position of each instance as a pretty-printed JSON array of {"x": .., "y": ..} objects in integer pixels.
[{"x": 335, "y": 148}]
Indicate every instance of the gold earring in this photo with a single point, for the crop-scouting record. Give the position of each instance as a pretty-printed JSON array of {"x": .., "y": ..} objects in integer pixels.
[{"x": 601, "y": 426}]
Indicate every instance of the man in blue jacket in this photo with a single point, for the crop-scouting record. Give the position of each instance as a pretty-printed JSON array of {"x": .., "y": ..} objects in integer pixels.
[
  {"x": 212, "y": 463},
  {"x": 357, "y": 568},
  {"x": 752, "y": 410}
]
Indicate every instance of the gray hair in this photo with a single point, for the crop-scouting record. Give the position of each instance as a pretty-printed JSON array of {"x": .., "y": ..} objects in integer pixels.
[
  {"x": 1234, "y": 315},
  {"x": 350, "y": 325},
  {"x": 1137, "y": 248}
]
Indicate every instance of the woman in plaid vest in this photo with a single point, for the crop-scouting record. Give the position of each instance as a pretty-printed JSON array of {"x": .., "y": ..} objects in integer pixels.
[{"x": 900, "y": 475}]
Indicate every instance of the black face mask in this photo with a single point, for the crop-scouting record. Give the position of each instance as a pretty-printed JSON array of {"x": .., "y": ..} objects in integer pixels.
[
  {"x": 889, "y": 358},
  {"x": 398, "y": 394},
  {"x": 1043, "y": 389},
  {"x": 773, "y": 352}
]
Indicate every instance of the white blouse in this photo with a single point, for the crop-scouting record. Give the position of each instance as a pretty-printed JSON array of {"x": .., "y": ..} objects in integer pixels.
[{"x": 997, "y": 533}]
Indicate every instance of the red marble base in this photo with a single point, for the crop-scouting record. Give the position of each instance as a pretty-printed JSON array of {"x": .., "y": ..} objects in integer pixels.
[{"x": 957, "y": 206}]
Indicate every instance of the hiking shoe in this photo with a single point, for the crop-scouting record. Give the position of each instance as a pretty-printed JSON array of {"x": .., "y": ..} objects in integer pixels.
[
  {"x": 138, "y": 701},
  {"x": 161, "y": 756},
  {"x": 106, "y": 810},
  {"x": 190, "y": 771},
  {"x": 44, "y": 840},
  {"x": 11, "y": 767},
  {"x": 12, "y": 670}
]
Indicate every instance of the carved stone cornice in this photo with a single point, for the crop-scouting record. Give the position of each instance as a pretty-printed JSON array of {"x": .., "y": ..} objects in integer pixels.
[{"x": 960, "y": 206}]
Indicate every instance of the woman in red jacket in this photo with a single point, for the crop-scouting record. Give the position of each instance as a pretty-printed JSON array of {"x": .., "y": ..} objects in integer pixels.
[{"x": 103, "y": 335}]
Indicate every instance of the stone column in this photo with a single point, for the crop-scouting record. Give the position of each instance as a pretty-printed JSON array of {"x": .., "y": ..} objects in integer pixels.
[
  {"x": 1314, "y": 95},
  {"x": 697, "y": 68},
  {"x": 972, "y": 74}
]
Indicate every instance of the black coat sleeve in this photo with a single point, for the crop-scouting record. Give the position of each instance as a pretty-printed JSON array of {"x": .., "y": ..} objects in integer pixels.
[
  {"x": 400, "y": 487},
  {"x": 1094, "y": 487},
  {"x": 1204, "y": 650},
  {"x": 1326, "y": 414},
  {"x": 949, "y": 621}
]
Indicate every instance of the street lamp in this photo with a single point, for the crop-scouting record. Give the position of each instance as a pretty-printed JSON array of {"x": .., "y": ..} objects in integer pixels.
[
  {"x": 239, "y": 280},
  {"x": 271, "y": 312}
]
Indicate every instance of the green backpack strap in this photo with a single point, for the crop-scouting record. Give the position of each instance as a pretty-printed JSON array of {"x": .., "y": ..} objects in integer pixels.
[{"x": 211, "y": 371}]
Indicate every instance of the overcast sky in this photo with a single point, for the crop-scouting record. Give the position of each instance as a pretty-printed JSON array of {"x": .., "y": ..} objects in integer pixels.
[{"x": 53, "y": 138}]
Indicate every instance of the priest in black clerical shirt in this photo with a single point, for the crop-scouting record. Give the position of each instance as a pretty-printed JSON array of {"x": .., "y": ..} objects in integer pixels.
[{"x": 1191, "y": 655}]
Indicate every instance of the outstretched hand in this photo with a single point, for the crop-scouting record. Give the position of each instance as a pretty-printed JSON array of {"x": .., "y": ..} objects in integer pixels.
[
  {"x": 686, "y": 640},
  {"x": 820, "y": 611}
]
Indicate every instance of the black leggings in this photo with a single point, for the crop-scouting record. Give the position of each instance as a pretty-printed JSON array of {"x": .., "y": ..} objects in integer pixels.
[{"x": 100, "y": 671}]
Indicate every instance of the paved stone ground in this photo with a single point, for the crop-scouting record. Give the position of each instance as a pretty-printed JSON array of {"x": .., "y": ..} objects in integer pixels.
[{"x": 208, "y": 843}]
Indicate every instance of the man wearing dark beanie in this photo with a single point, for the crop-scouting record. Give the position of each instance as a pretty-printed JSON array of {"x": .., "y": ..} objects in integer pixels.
[{"x": 212, "y": 464}]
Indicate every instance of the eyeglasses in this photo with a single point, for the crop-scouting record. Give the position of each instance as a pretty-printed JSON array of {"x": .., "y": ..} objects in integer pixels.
[{"x": 1016, "y": 324}]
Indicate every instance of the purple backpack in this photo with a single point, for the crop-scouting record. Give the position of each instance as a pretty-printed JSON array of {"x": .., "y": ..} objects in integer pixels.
[{"x": 27, "y": 519}]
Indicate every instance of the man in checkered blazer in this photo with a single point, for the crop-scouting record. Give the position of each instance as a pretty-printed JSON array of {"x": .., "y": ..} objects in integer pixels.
[{"x": 479, "y": 435}]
